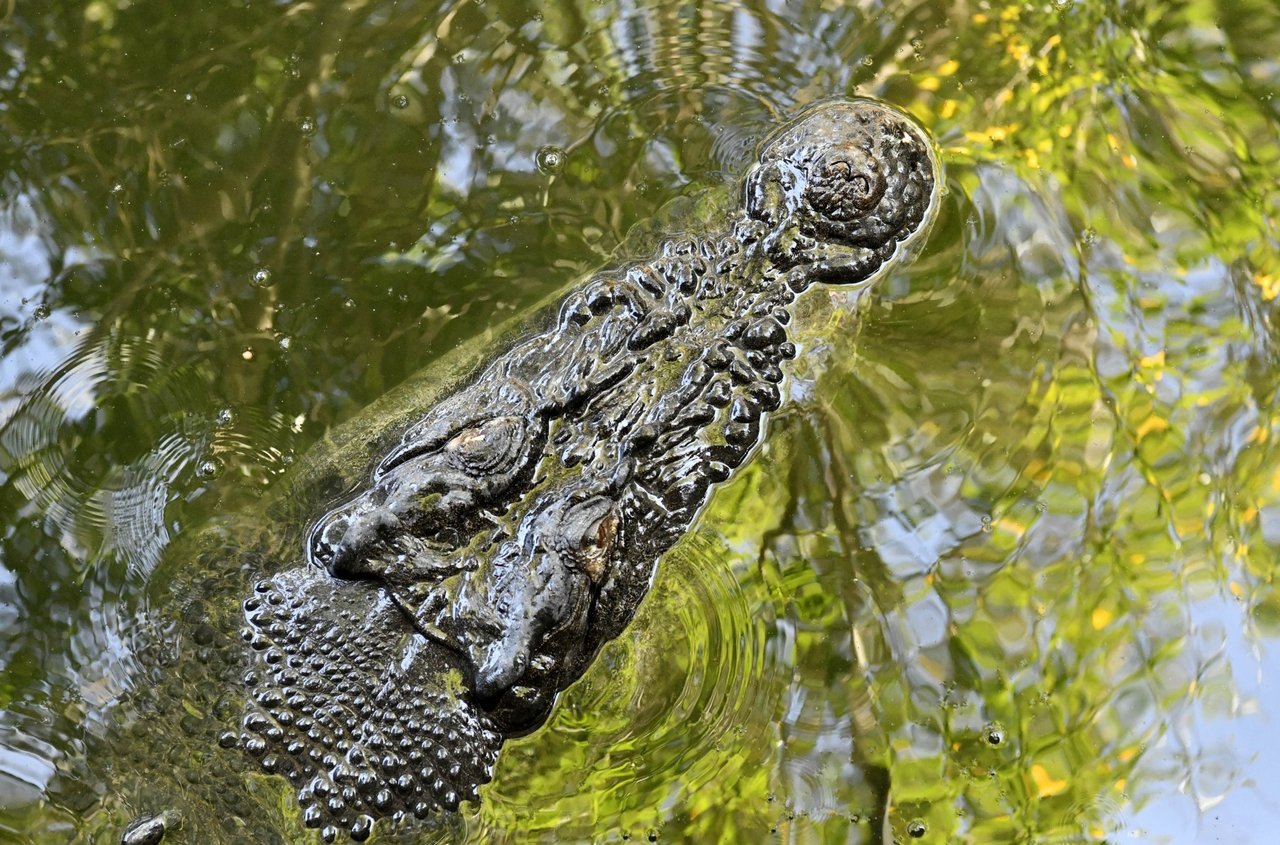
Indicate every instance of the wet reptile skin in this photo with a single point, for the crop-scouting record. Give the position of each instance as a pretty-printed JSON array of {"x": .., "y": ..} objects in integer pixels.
[{"x": 519, "y": 522}]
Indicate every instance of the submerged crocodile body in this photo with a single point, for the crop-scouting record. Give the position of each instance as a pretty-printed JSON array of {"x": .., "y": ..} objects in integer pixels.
[{"x": 518, "y": 523}]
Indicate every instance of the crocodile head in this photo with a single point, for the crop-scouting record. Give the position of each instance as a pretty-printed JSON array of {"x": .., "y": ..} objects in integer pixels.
[
  {"x": 840, "y": 189},
  {"x": 517, "y": 525}
]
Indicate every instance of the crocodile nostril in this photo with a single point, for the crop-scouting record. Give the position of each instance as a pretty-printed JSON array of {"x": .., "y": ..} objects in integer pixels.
[{"x": 844, "y": 183}]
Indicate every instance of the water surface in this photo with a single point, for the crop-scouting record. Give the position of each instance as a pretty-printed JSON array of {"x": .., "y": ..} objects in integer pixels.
[{"x": 1003, "y": 571}]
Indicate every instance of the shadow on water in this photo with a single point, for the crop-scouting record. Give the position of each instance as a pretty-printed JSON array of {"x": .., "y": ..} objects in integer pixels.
[{"x": 1003, "y": 570}]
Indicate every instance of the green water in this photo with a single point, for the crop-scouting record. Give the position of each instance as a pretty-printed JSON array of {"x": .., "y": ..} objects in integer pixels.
[{"x": 1005, "y": 562}]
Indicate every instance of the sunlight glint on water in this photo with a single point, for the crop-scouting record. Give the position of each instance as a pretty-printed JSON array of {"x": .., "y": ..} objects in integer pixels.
[{"x": 1026, "y": 492}]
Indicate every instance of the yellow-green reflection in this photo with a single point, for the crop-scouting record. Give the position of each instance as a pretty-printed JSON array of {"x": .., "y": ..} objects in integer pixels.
[{"x": 1002, "y": 573}]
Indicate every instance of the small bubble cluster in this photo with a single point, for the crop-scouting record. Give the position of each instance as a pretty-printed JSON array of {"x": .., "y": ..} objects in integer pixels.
[{"x": 366, "y": 727}]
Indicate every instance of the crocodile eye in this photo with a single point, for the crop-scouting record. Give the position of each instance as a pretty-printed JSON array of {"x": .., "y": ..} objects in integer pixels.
[
  {"x": 589, "y": 531},
  {"x": 490, "y": 448},
  {"x": 844, "y": 183}
]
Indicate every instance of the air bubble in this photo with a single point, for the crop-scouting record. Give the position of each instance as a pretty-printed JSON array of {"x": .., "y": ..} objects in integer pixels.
[
  {"x": 307, "y": 126},
  {"x": 994, "y": 734},
  {"x": 400, "y": 101},
  {"x": 550, "y": 159},
  {"x": 207, "y": 469},
  {"x": 916, "y": 829},
  {"x": 261, "y": 277}
]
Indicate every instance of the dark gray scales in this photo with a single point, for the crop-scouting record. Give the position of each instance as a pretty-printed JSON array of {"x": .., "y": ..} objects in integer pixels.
[
  {"x": 519, "y": 522},
  {"x": 342, "y": 707}
]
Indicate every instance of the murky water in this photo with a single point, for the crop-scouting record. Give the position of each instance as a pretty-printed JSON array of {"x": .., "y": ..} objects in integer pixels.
[{"x": 1003, "y": 571}]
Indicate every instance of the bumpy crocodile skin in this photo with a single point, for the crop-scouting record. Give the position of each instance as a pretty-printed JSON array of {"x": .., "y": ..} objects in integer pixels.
[{"x": 517, "y": 525}]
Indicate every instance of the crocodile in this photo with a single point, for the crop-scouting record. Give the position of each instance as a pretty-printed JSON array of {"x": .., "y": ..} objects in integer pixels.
[{"x": 517, "y": 524}]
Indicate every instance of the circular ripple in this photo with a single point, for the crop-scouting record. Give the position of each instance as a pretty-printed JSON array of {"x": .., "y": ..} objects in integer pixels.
[
  {"x": 102, "y": 449},
  {"x": 119, "y": 432},
  {"x": 658, "y": 706},
  {"x": 1102, "y": 818}
]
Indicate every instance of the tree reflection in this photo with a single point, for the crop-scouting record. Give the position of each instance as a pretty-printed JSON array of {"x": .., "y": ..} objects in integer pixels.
[{"x": 1003, "y": 570}]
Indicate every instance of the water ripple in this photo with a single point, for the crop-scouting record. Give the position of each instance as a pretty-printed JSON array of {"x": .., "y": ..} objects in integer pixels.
[{"x": 665, "y": 703}]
